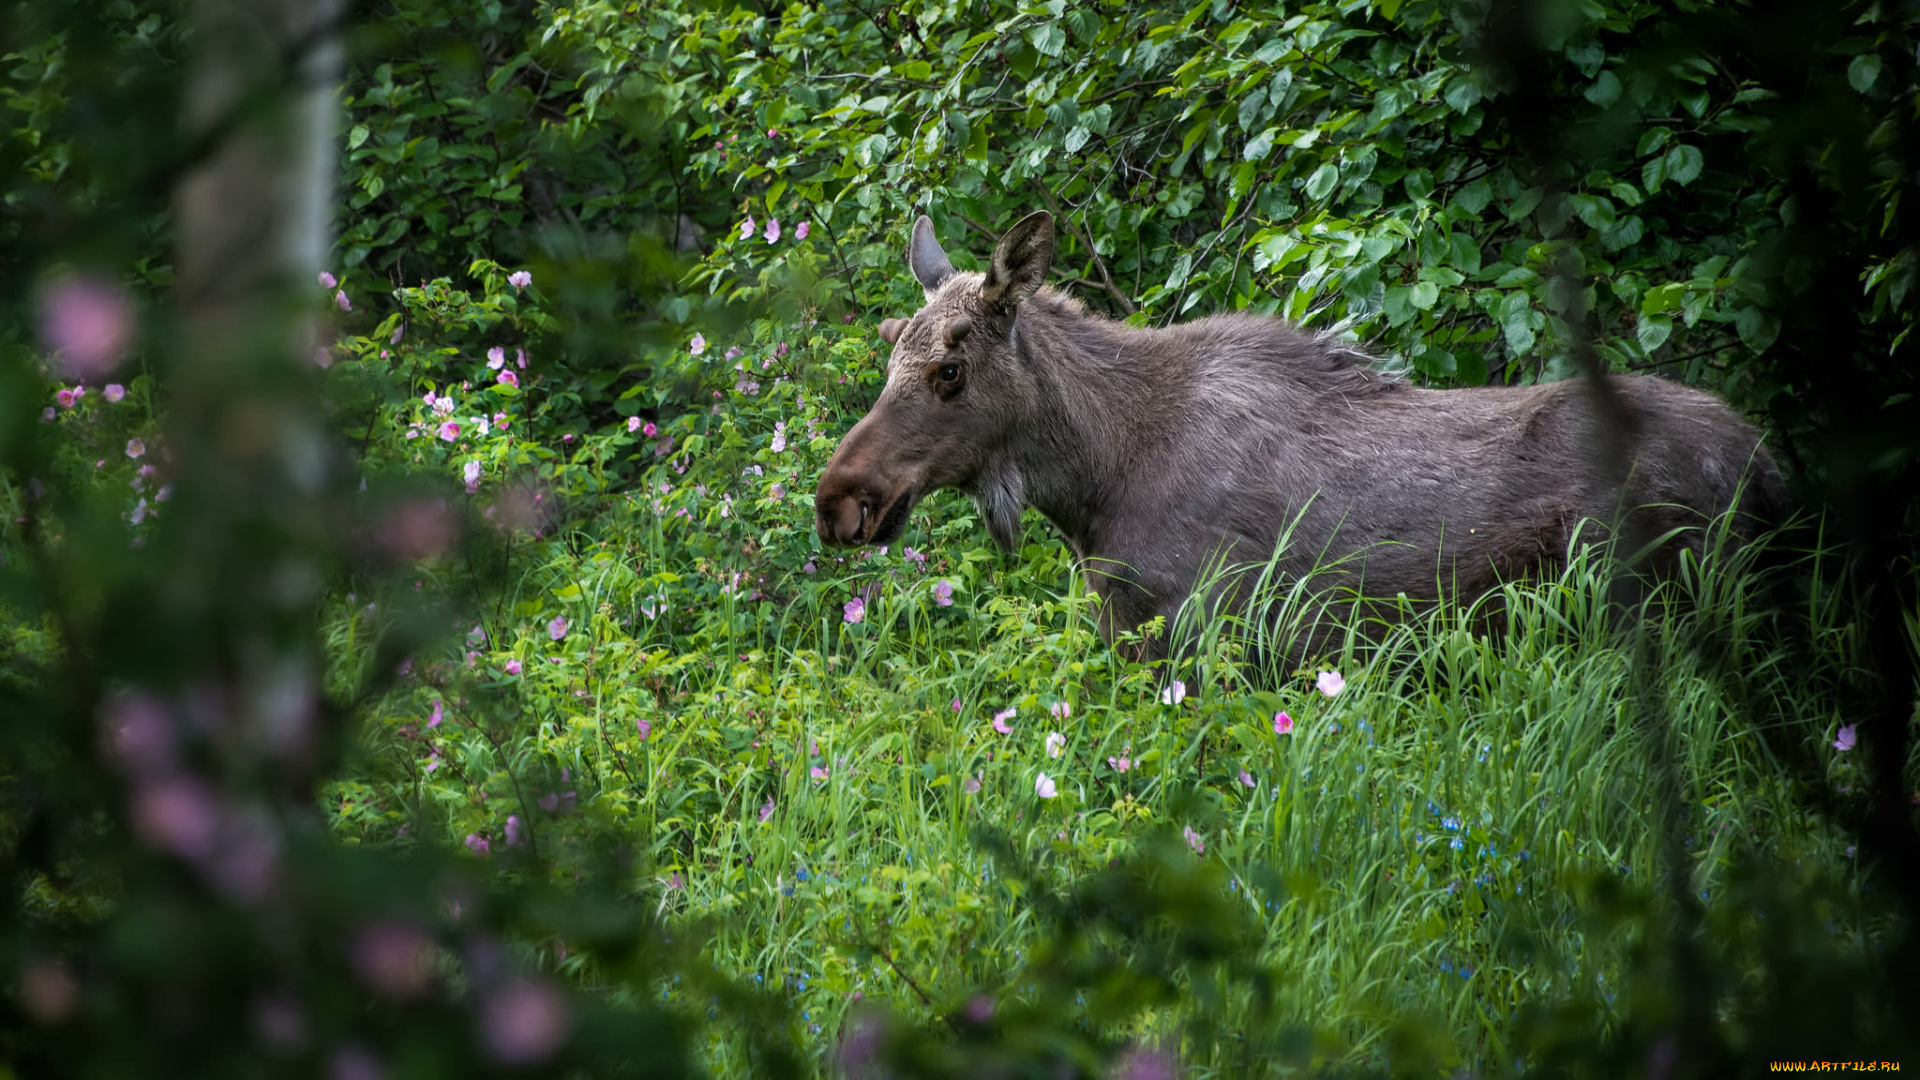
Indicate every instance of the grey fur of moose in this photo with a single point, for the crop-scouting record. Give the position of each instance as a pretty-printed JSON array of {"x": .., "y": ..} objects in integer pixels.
[{"x": 1157, "y": 453}]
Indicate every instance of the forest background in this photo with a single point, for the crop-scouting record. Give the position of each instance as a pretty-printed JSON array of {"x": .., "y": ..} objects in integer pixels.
[{"x": 461, "y": 688}]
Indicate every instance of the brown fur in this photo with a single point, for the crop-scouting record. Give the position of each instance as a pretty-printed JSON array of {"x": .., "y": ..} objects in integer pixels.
[{"x": 1156, "y": 452}]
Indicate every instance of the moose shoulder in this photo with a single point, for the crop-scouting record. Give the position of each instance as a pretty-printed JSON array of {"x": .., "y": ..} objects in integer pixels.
[{"x": 1159, "y": 452}]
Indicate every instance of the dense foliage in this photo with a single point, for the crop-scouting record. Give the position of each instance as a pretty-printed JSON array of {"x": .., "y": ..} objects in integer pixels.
[{"x": 618, "y": 771}]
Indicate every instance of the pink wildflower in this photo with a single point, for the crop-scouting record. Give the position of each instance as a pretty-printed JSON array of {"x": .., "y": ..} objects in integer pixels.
[
  {"x": 520, "y": 279},
  {"x": 1056, "y": 744},
  {"x": 633, "y": 423},
  {"x": 1282, "y": 724},
  {"x": 943, "y": 594},
  {"x": 508, "y": 378},
  {"x": 496, "y": 358},
  {"x": 87, "y": 323},
  {"x": 340, "y": 301},
  {"x": 114, "y": 392},
  {"x": 1843, "y": 740},
  {"x": 746, "y": 228},
  {"x": 1174, "y": 694},
  {"x": 1329, "y": 683},
  {"x": 649, "y": 430},
  {"x": 449, "y": 431},
  {"x": 438, "y": 714},
  {"x": 1000, "y": 720},
  {"x": 854, "y": 610},
  {"x": 328, "y": 281},
  {"x": 557, "y": 629},
  {"x": 1194, "y": 840},
  {"x": 801, "y": 232},
  {"x": 1044, "y": 787},
  {"x": 513, "y": 667},
  {"x": 773, "y": 231},
  {"x": 136, "y": 448},
  {"x": 766, "y": 809},
  {"x": 699, "y": 344}
]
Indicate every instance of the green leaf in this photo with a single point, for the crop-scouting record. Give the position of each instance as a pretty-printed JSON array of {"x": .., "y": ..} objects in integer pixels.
[
  {"x": 1049, "y": 39},
  {"x": 1399, "y": 305},
  {"x": 1758, "y": 328},
  {"x": 1684, "y": 164},
  {"x": 1623, "y": 233},
  {"x": 1462, "y": 95},
  {"x": 1653, "y": 174},
  {"x": 1322, "y": 181},
  {"x": 1260, "y": 145},
  {"x": 1650, "y": 141},
  {"x": 1605, "y": 89},
  {"x": 1596, "y": 211},
  {"x": 1653, "y": 331},
  {"x": 1425, "y": 295},
  {"x": 1863, "y": 72},
  {"x": 357, "y": 136},
  {"x": 1474, "y": 197},
  {"x": 1076, "y": 139}
]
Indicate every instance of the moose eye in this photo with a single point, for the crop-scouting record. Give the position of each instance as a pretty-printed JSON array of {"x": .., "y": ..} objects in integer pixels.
[{"x": 949, "y": 372}]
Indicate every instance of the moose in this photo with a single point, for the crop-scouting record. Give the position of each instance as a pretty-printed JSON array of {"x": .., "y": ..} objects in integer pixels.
[{"x": 1159, "y": 453}]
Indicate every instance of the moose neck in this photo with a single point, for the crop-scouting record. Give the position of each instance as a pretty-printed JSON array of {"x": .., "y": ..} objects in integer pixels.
[{"x": 1100, "y": 403}]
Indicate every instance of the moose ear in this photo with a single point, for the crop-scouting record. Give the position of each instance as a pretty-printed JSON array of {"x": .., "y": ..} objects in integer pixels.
[
  {"x": 926, "y": 258},
  {"x": 890, "y": 330},
  {"x": 1020, "y": 262}
]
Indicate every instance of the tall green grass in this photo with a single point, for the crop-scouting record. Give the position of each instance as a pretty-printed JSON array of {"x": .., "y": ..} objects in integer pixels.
[{"x": 1407, "y": 873}]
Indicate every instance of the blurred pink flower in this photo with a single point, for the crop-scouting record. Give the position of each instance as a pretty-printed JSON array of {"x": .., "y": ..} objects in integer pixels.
[
  {"x": 514, "y": 839},
  {"x": 513, "y": 667},
  {"x": 1174, "y": 694},
  {"x": 470, "y": 472},
  {"x": 66, "y": 398},
  {"x": 817, "y": 772},
  {"x": 854, "y": 610},
  {"x": 1246, "y": 778},
  {"x": 450, "y": 430},
  {"x": 772, "y": 232},
  {"x": 699, "y": 344},
  {"x": 520, "y": 359},
  {"x": 114, "y": 392},
  {"x": 524, "y": 1022},
  {"x": 1843, "y": 739},
  {"x": 520, "y": 279},
  {"x": 1056, "y": 744},
  {"x": 136, "y": 448},
  {"x": 943, "y": 593},
  {"x": 1060, "y": 709},
  {"x": 416, "y": 529},
  {"x": 649, "y": 430},
  {"x": 1329, "y": 683},
  {"x": 1282, "y": 724},
  {"x": 394, "y": 959},
  {"x": 801, "y": 232},
  {"x": 766, "y": 809},
  {"x": 138, "y": 734},
  {"x": 557, "y": 629},
  {"x": 1044, "y": 787},
  {"x": 178, "y": 815},
  {"x": 1000, "y": 720},
  {"x": 496, "y": 358},
  {"x": 1194, "y": 840},
  {"x": 644, "y": 728},
  {"x": 87, "y": 323},
  {"x": 478, "y": 844},
  {"x": 746, "y": 228},
  {"x": 328, "y": 281},
  {"x": 340, "y": 301},
  {"x": 507, "y": 378},
  {"x": 633, "y": 423},
  {"x": 438, "y": 714},
  {"x": 972, "y": 785},
  {"x": 1120, "y": 764}
]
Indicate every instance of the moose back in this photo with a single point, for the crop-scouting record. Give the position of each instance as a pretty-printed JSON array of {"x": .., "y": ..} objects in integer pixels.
[{"x": 1158, "y": 453}]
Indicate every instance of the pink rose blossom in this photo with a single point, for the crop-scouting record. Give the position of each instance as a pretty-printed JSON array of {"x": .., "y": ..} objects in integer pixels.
[
  {"x": 136, "y": 448},
  {"x": 800, "y": 233},
  {"x": 1000, "y": 720},
  {"x": 1282, "y": 724},
  {"x": 471, "y": 473},
  {"x": 513, "y": 667},
  {"x": 1844, "y": 738},
  {"x": 508, "y": 378},
  {"x": 1044, "y": 787},
  {"x": 1329, "y": 683},
  {"x": 524, "y": 1022},
  {"x": 557, "y": 629},
  {"x": 746, "y": 228},
  {"x": 772, "y": 232},
  {"x": 649, "y": 430},
  {"x": 340, "y": 301},
  {"x": 699, "y": 344},
  {"x": 450, "y": 431},
  {"x": 520, "y": 279},
  {"x": 328, "y": 281},
  {"x": 817, "y": 772},
  {"x": 854, "y": 610},
  {"x": 496, "y": 357},
  {"x": 633, "y": 423},
  {"x": 114, "y": 392}
]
